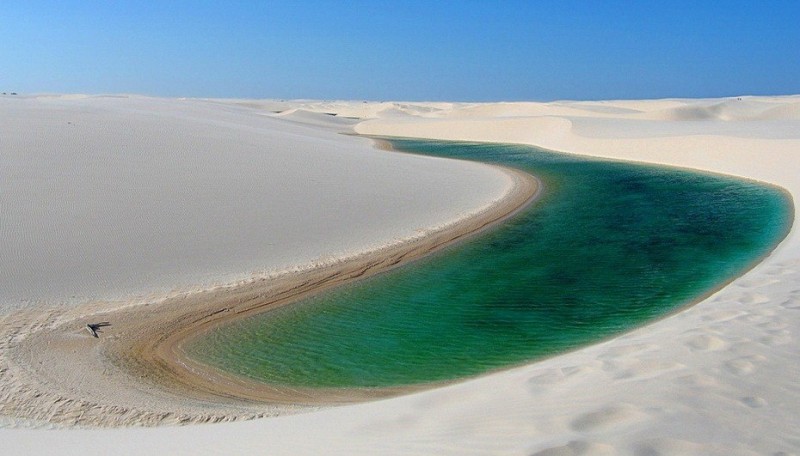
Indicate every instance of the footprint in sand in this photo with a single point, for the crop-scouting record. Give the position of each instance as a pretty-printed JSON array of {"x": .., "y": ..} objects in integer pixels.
[
  {"x": 739, "y": 366},
  {"x": 759, "y": 282},
  {"x": 607, "y": 417},
  {"x": 775, "y": 327},
  {"x": 571, "y": 371},
  {"x": 548, "y": 377},
  {"x": 723, "y": 316},
  {"x": 783, "y": 338},
  {"x": 648, "y": 368},
  {"x": 576, "y": 448},
  {"x": 783, "y": 269},
  {"x": 612, "y": 365},
  {"x": 625, "y": 350},
  {"x": 553, "y": 376},
  {"x": 706, "y": 342},
  {"x": 753, "y": 401},
  {"x": 754, "y": 298},
  {"x": 791, "y": 303},
  {"x": 698, "y": 380},
  {"x": 658, "y": 447}
]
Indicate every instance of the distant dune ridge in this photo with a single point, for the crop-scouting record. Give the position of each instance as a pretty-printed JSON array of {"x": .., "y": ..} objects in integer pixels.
[{"x": 717, "y": 378}]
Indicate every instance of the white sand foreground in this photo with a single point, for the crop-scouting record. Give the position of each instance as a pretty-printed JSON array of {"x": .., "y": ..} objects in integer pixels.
[{"x": 717, "y": 378}]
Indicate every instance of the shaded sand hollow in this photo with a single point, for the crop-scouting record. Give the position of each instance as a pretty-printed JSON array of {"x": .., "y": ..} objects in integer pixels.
[{"x": 717, "y": 378}]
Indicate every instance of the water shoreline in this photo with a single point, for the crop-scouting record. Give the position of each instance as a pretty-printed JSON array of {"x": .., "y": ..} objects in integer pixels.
[
  {"x": 146, "y": 378},
  {"x": 714, "y": 378}
]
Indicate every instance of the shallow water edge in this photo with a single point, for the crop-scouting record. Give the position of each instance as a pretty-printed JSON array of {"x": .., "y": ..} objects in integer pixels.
[{"x": 610, "y": 246}]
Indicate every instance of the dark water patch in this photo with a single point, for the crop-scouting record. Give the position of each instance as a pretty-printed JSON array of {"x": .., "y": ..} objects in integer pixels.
[{"x": 609, "y": 246}]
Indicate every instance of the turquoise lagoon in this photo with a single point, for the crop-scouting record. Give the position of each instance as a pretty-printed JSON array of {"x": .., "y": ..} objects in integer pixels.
[{"x": 608, "y": 247}]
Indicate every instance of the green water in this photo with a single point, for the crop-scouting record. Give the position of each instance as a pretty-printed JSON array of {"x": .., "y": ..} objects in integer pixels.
[{"x": 609, "y": 246}]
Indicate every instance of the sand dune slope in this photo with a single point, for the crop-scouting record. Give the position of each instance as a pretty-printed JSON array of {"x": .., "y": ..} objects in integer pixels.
[
  {"x": 120, "y": 198},
  {"x": 718, "y": 378}
]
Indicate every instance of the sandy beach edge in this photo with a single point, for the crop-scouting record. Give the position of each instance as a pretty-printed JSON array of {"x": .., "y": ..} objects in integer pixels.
[
  {"x": 715, "y": 379},
  {"x": 137, "y": 372}
]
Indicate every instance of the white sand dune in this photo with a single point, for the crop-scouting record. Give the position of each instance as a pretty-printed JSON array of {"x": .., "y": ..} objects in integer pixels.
[
  {"x": 114, "y": 198},
  {"x": 717, "y": 378}
]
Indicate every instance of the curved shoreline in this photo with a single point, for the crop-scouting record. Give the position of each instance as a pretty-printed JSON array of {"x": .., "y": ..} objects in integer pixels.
[
  {"x": 715, "y": 378},
  {"x": 137, "y": 374}
]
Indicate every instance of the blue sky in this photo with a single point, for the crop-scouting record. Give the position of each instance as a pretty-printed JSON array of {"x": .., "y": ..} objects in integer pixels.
[{"x": 402, "y": 50}]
